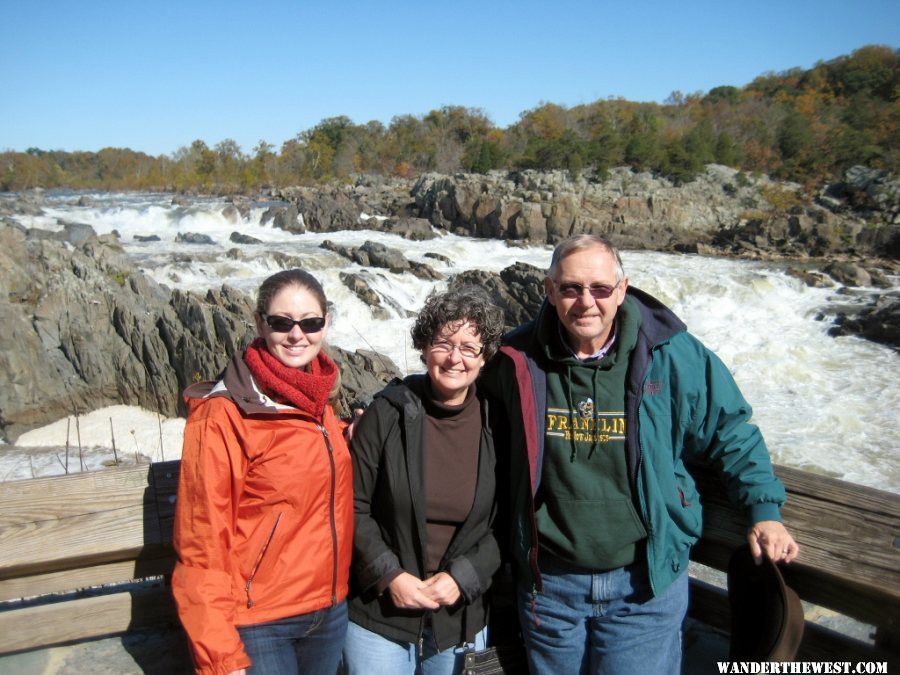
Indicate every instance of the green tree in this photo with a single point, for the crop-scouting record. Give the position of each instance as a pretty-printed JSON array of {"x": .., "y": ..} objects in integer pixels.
[
  {"x": 726, "y": 151},
  {"x": 643, "y": 149},
  {"x": 229, "y": 163},
  {"x": 795, "y": 138}
]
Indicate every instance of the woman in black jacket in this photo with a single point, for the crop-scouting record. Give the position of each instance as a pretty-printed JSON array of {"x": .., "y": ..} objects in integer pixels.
[{"x": 424, "y": 499}]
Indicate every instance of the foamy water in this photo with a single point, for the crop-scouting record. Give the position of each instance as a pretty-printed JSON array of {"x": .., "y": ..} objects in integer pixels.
[{"x": 824, "y": 404}]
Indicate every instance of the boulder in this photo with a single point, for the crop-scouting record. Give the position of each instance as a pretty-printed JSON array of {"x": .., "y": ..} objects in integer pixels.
[
  {"x": 848, "y": 273},
  {"x": 193, "y": 238},
  {"x": 439, "y": 257},
  {"x": 239, "y": 238},
  {"x": 416, "y": 229},
  {"x": 231, "y": 214},
  {"x": 518, "y": 290},
  {"x": 879, "y": 322},
  {"x": 379, "y": 255},
  {"x": 326, "y": 209},
  {"x": 364, "y": 292}
]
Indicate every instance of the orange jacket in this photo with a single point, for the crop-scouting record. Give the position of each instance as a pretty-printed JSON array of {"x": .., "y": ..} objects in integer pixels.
[{"x": 264, "y": 516}]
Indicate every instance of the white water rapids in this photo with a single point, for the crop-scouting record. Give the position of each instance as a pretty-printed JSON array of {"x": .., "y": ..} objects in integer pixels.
[{"x": 824, "y": 404}]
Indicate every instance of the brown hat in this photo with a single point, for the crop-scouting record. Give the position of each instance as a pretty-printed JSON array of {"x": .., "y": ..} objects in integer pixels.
[{"x": 766, "y": 615}]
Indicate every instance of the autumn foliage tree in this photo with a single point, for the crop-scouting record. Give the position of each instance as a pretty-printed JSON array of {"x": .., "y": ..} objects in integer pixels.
[{"x": 803, "y": 125}]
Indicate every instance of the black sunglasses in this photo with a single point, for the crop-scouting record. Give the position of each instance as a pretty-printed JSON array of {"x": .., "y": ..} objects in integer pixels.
[{"x": 282, "y": 324}]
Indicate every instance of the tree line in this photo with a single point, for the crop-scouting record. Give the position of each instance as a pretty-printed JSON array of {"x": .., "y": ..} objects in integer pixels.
[{"x": 802, "y": 125}]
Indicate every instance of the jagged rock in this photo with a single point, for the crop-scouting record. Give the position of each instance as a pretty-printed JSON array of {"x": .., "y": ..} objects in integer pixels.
[
  {"x": 343, "y": 251},
  {"x": 643, "y": 211},
  {"x": 636, "y": 210},
  {"x": 363, "y": 374},
  {"x": 231, "y": 214},
  {"x": 364, "y": 292},
  {"x": 872, "y": 193},
  {"x": 518, "y": 290},
  {"x": 288, "y": 219},
  {"x": 848, "y": 273},
  {"x": 879, "y": 322},
  {"x": 417, "y": 229},
  {"x": 193, "y": 238},
  {"x": 811, "y": 278},
  {"x": 374, "y": 254},
  {"x": 326, "y": 209},
  {"x": 83, "y": 329},
  {"x": 423, "y": 271},
  {"x": 146, "y": 237},
  {"x": 241, "y": 204},
  {"x": 379, "y": 255},
  {"x": 286, "y": 261},
  {"x": 239, "y": 238},
  {"x": 437, "y": 256},
  {"x": 285, "y": 218}
]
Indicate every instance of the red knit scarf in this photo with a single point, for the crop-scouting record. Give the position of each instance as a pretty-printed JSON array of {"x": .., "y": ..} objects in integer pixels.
[{"x": 307, "y": 390}]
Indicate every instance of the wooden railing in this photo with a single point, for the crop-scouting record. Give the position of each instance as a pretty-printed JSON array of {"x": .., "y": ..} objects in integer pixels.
[
  {"x": 849, "y": 562},
  {"x": 70, "y": 535},
  {"x": 77, "y": 541}
]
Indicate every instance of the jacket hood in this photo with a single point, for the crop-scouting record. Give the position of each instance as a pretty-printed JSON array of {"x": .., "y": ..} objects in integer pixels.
[
  {"x": 237, "y": 384},
  {"x": 406, "y": 394}
]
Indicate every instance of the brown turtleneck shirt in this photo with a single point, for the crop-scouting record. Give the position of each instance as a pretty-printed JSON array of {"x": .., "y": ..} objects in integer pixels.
[{"x": 452, "y": 442}]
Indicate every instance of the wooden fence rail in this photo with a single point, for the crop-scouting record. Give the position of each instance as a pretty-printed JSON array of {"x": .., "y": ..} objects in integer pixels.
[{"x": 68, "y": 535}]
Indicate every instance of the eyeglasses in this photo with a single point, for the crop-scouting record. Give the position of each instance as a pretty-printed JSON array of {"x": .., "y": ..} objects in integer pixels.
[
  {"x": 282, "y": 324},
  {"x": 467, "y": 350},
  {"x": 597, "y": 291}
]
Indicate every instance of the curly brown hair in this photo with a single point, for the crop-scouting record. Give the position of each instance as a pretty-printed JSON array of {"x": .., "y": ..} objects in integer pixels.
[{"x": 456, "y": 306}]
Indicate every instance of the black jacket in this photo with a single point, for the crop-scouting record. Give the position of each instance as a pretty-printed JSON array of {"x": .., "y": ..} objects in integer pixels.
[{"x": 389, "y": 534}]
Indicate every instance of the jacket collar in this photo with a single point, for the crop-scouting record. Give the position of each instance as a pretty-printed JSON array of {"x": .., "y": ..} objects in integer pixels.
[{"x": 238, "y": 385}]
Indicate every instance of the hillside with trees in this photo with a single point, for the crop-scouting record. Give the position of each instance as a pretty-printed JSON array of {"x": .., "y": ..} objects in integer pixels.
[{"x": 807, "y": 126}]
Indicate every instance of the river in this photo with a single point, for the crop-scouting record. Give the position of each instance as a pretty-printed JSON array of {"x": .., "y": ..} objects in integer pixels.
[{"x": 824, "y": 404}]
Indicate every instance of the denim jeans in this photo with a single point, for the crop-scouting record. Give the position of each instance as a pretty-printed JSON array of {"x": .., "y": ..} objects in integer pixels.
[
  {"x": 368, "y": 653},
  {"x": 602, "y": 623},
  {"x": 307, "y": 643}
]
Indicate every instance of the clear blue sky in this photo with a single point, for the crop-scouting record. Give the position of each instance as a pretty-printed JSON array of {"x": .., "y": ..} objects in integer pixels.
[{"x": 154, "y": 76}]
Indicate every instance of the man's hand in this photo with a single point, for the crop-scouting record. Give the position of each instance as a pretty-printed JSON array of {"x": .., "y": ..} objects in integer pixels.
[{"x": 770, "y": 537}]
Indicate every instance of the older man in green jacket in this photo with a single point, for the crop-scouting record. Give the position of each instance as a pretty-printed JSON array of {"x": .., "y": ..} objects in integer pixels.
[{"x": 607, "y": 398}]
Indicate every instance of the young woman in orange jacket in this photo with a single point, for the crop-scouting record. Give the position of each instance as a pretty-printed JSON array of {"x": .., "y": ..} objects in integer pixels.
[{"x": 264, "y": 517}]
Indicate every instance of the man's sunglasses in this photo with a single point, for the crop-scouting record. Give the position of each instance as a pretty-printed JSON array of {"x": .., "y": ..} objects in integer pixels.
[
  {"x": 282, "y": 324},
  {"x": 597, "y": 291}
]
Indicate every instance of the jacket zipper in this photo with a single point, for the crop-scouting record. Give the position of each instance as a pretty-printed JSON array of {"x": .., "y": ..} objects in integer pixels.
[
  {"x": 331, "y": 517},
  {"x": 259, "y": 560}
]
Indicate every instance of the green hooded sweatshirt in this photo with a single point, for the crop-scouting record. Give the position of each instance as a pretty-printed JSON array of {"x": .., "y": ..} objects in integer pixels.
[{"x": 585, "y": 508}]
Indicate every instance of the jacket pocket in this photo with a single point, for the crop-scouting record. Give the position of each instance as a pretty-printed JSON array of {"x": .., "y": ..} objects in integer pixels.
[
  {"x": 261, "y": 557},
  {"x": 685, "y": 508}
]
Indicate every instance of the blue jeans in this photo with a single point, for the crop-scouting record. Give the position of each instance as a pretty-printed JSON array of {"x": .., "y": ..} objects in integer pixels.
[
  {"x": 368, "y": 653},
  {"x": 602, "y": 623},
  {"x": 307, "y": 643}
]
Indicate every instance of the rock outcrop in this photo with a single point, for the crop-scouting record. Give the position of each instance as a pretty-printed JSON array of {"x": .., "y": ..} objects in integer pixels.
[
  {"x": 518, "y": 290},
  {"x": 722, "y": 211},
  {"x": 83, "y": 328}
]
